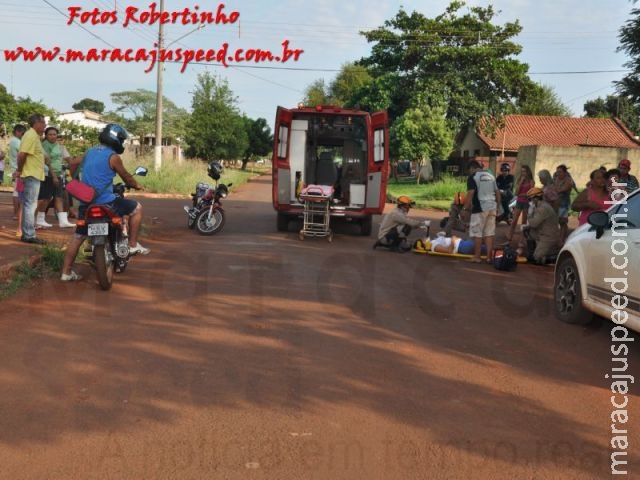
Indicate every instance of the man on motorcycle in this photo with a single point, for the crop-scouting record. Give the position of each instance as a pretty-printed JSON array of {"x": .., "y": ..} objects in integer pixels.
[{"x": 99, "y": 165}]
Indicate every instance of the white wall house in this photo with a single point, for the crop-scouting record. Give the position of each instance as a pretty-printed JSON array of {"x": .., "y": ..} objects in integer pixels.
[{"x": 85, "y": 118}]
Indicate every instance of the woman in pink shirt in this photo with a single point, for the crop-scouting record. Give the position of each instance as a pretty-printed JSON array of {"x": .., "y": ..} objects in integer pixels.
[{"x": 592, "y": 198}]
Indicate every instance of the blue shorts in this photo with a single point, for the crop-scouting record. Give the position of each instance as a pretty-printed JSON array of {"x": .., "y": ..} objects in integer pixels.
[
  {"x": 122, "y": 206},
  {"x": 467, "y": 247}
]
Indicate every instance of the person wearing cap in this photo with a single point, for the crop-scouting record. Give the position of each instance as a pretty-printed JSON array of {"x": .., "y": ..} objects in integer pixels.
[
  {"x": 397, "y": 225},
  {"x": 505, "y": 182},
  {"x": 625, "y": 177},
  {"x": 541, "y": 233},
  {"x": 481, "y": 204}
]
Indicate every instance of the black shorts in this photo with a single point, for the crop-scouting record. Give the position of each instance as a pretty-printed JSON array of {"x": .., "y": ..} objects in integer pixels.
[{"x": 46, "y": 189}]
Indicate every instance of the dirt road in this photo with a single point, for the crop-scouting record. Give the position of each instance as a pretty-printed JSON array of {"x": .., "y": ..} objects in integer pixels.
[{"x": 252, "y": 354}]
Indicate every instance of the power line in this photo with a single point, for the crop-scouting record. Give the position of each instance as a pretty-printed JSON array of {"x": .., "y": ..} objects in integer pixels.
[{"x": 78, "y": 24}]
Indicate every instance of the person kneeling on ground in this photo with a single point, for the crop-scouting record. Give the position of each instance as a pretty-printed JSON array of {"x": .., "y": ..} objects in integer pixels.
[
  {"x": 396, "y": 226},
  {"x": 541, "y": 233},
  {"x": 100, "y": 165}
]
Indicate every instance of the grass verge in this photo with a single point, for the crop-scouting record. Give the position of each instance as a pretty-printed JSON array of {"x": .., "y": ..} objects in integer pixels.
[{"x": 24, "y": 273}]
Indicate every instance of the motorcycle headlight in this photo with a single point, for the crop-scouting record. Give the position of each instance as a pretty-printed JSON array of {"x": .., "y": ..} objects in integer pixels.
[{"x": 223, "y": 194}]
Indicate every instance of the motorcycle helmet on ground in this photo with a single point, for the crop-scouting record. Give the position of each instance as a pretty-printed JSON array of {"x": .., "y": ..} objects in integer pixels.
[
  {"x": 214, "y": 170},
  {"x": 113, "y": 136}
]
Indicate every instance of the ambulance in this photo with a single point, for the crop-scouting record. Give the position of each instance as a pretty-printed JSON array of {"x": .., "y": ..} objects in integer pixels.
[{"x": 343, "y": 150}]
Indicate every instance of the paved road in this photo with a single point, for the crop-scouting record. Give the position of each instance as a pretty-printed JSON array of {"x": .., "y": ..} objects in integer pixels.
[{"x": 252, "y": 354}]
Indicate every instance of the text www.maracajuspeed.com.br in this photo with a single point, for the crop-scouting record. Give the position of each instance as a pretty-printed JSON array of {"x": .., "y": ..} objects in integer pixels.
[{"x": 151, "y": 56}]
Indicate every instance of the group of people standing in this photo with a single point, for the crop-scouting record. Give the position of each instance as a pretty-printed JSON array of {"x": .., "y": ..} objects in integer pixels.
[
  {"x": 543, "y": 212},
  {"x": 37, "y": 171},
  {"x": 38, "y": 159}
]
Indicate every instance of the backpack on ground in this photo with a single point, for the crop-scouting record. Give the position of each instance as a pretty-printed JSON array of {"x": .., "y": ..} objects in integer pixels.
[{"x": 505, "y": 259}]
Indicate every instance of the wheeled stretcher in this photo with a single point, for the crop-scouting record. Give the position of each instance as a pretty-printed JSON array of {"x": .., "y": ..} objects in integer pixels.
[{"x": 316, "y": 199}]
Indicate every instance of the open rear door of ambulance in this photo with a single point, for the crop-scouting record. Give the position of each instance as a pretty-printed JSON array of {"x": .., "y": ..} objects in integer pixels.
[
  {"x": 281, "y": 170},
  {"x": 378, "y": 166}
]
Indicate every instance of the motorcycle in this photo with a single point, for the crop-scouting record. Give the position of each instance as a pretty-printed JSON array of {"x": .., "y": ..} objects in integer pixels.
[
  {"x": 108, "y": 238},
  {"x": 206, "y": 214}
]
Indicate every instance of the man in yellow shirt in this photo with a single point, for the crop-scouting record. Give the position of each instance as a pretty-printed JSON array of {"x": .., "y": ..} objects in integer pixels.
[{"x": 31, "y": 162}]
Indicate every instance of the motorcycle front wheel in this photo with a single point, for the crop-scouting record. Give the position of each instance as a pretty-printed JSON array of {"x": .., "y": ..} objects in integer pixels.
[
  {"x": 104, "y": 265},
  {"x": 191, "y": 222},
  {"x": 209, "y": 226}
]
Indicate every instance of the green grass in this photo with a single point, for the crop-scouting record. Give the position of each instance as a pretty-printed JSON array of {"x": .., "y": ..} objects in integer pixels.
[
  {"x": 180, "y": 179},
  {"x": 438, "y": 195},
  {"x": 24, "y": 274}
]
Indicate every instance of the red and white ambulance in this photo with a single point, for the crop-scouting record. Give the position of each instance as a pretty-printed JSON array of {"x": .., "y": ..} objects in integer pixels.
[{"x": 345, "y": 149}]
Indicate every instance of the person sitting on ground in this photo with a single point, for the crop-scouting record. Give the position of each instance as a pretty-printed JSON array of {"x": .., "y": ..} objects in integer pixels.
[
  {"x": 454, "y": 220},
  {"x": 100, "y": 165},
  {"x": 397, "y": 225},
  {"x": 541, "y": 233}
]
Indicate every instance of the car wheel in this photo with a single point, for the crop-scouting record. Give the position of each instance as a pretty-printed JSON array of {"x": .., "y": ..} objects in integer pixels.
[{"x": 568, "y": 294}]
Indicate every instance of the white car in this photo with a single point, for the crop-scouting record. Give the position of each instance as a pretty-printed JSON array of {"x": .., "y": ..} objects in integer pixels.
[{"x": 598, "y": 268}]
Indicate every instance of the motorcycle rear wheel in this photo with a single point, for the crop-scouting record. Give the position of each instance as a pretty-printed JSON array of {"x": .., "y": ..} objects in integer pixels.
[
  {"x": 104, "y": 265},
  {"x": 210, "y": 227}
]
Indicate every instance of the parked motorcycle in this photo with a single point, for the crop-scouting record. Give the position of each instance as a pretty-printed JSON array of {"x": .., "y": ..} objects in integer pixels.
[
  {"x": 206, "y": 214},
  {"x": 108, "y": 237}
]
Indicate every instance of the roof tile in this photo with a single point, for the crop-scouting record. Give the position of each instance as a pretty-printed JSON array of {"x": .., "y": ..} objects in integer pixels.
[{"x": 522, "y": 130}]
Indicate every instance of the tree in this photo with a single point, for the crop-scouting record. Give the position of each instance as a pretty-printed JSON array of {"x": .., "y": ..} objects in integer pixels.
[
  {"x": 464, "y": 62},
  {"x": 215, "y": 131},
  {"x": 26, "y": 106},
  {"x": 141, "y": 106},
  {"x": 629, "y": 86},
  {"x": 260, "y": 139},
  {"x": 7, "y": 110},
  {"x": 316, "y": 94},
  {"x": 421, "y": 134},
  {"x": 349, "y": 81},
  {"x": 89, "y": 104},
  {"x": 542, "y": 100},
  {"x": 614, "y": 106}
]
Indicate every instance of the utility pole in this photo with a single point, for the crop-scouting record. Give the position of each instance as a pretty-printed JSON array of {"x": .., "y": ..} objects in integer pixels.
[{"x": 158, "y": 143}]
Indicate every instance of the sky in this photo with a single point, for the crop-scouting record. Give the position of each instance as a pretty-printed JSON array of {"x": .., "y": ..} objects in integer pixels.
[{"x": 569, "y": 45}]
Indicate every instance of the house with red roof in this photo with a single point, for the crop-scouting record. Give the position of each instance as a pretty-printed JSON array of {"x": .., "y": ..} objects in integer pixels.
[{"x": 544, "y": 142}]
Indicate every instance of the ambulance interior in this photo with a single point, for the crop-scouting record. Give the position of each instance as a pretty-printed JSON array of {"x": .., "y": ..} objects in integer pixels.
[{"x": 330, "y": 150}]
